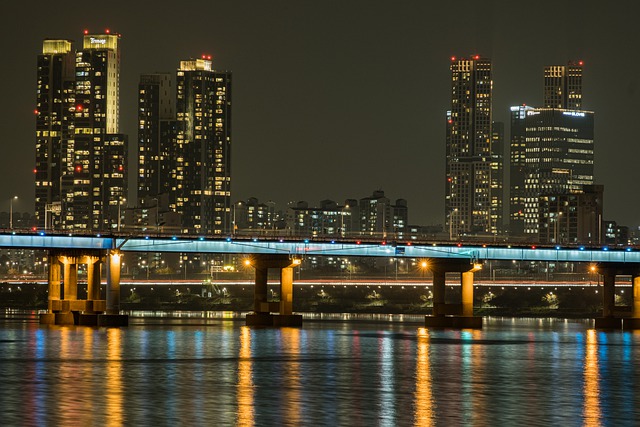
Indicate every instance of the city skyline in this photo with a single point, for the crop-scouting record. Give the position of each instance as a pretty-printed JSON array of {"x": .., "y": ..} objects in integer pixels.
[{"x": 317, "y": 107}]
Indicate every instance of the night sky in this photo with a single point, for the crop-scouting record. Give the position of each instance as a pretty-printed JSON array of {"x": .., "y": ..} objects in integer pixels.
[{"x": 335, "y": 99}]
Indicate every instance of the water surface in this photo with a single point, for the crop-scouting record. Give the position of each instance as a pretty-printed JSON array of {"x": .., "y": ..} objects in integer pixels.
[{"x": 216, "y": 371}]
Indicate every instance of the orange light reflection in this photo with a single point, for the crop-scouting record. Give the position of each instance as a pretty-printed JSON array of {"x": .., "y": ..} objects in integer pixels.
[
  {"x": 246, "y": 416},
  {"x": 592, "y": 414},
  {"x": 113, "y": 385},
  {"x": 423, "y": 405}
]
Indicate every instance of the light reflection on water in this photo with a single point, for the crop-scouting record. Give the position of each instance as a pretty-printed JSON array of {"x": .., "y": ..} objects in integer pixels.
[{"x": 513, "y": 372}]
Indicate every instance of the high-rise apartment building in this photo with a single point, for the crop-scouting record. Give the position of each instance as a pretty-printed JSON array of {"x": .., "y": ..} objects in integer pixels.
[
  {"x": 201, "y": 171},
  {"x": 563, "y": 86},
  {"x": 54, "y": 127},
  {"x": 96, "y": 179},
  {"x": 468, "y": 148},
  {"x": 81, "y": 157},
  {"x": 156, "y": 134}
]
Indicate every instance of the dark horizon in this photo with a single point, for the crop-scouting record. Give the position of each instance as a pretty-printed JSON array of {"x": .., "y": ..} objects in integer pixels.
[{"x": 334, "y": 101}]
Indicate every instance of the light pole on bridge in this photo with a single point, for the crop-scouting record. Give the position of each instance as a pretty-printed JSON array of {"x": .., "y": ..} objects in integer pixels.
[{"x": 11, "y": 211}]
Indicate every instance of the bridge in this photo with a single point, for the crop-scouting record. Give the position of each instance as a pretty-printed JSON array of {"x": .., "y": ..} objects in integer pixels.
[{"x": 67, "y": 251}]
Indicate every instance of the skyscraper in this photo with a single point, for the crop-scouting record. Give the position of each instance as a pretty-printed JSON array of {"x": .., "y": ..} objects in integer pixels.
[
  {"x": 54, "y": 104},
  {"x": 95, "y": 181},
  {"x": 468, "y": 147},
  {"x": 563, "y": 86},
  {"x": 552, "y": 153},
  {"x": 80, "y": 156},
  {"x": 156, "y": 133},
  {"x": 201, "y": 172}
]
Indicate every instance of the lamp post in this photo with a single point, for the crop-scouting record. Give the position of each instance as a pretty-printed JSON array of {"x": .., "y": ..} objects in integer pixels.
[
  {"x": 555, "y": 228},
  {"x": 451, "y": 223},
  {"x": 156, "y": 225},
  {"x": 342, "y": 233},
  {"x": 11, "y": 211},
  {"x": 120, "y": 201}
]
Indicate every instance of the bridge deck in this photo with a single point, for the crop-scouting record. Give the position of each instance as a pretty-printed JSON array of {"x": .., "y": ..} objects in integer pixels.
[{"x": 309, "y": 248}]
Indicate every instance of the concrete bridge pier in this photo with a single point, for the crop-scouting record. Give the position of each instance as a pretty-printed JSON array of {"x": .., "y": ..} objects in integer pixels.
[
  {"x": 262, "y": 307},
  {"x": 453, "y": 315},
  {"x": 633, "y": 322},
  {"x": 609, "y": 320},
  {"x": 112, "y": 317},
  {"x": 64, "y": 307}
]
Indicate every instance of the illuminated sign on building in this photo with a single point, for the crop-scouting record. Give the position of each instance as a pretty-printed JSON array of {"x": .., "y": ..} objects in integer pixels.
[{"x": 573, "y": 113}]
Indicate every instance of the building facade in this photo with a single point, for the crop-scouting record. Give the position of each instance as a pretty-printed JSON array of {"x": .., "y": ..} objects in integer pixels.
[
  {"x": 201, "y": 170},
  {"x": 156, "y": 133},
  {"x": 54, "y": 127},
  {"x": 468, "y": 207},
  {"x": 572, "y": 218},
  {"x": 563, "y": 86},
  {"x": 88, "y": 162},
  {"x": 497, "y": 178},
  {"x": 559, "y": 157}
]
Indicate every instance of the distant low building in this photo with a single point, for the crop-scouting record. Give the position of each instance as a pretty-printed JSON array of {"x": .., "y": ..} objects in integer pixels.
[{"x": 572, "y": 218}]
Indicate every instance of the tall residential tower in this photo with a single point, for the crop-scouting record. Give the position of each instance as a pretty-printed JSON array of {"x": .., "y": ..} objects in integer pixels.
[
  {"x": 563, "y": 86},
  {"x": 156, "y": 134},
  {"x": 54, "y": 127},
  {"x": 201, "y": 172},
  {"x": 96, "y": 180},
  {"x": 81, "y": 157},
  {"x": 468, "y": 204}
]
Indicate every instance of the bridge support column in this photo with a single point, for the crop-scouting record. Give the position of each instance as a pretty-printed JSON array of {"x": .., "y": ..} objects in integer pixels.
[
  {"x": 55, "y": 292},
  {"x": 262, "y": 307},
  {"x": 439, "y": 289},
  {"x": 113, "y": 317},
  {"x": 608, "y": 321},
  {"x": 453, "y": 315},
  {"x": 634, "y": 321},
  {"x": 466, "y": 282},
  {"x": 94, "y": 305},
  {"x": 64, "y": 307},
  {"x": 70, "y": 279}
]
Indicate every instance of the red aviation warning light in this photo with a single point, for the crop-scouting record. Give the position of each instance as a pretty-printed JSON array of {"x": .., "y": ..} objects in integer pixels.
[
  {"x": 476, "y": 57},
  {"x": 86, "y": 32},
  {"x": 581, "y": 63},
  {"x": 79, "y": 108},
  {"x": 453, "y": 58},
  {"x": 107, "y": 31},
  {"x": 78, "y": 168}
]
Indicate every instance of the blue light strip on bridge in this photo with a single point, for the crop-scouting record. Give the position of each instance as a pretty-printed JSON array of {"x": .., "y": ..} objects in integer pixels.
[
  {"x": 313, "y": 248},
  {"x": 29, "y": 241},
  {"x": 472, "y": 253}
]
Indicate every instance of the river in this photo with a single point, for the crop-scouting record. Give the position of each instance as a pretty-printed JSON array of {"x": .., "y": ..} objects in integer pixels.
[{"x": 357, "y": 371}]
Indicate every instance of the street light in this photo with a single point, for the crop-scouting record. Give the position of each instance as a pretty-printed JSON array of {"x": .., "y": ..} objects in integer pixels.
[
  {"x": 451, "y": 223},
  {"x": 342, "y": 219},
  {"x": 11, "y": 211},
  {"x": 555, "y": 228},
  {"x": 120, "y": 201}
]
